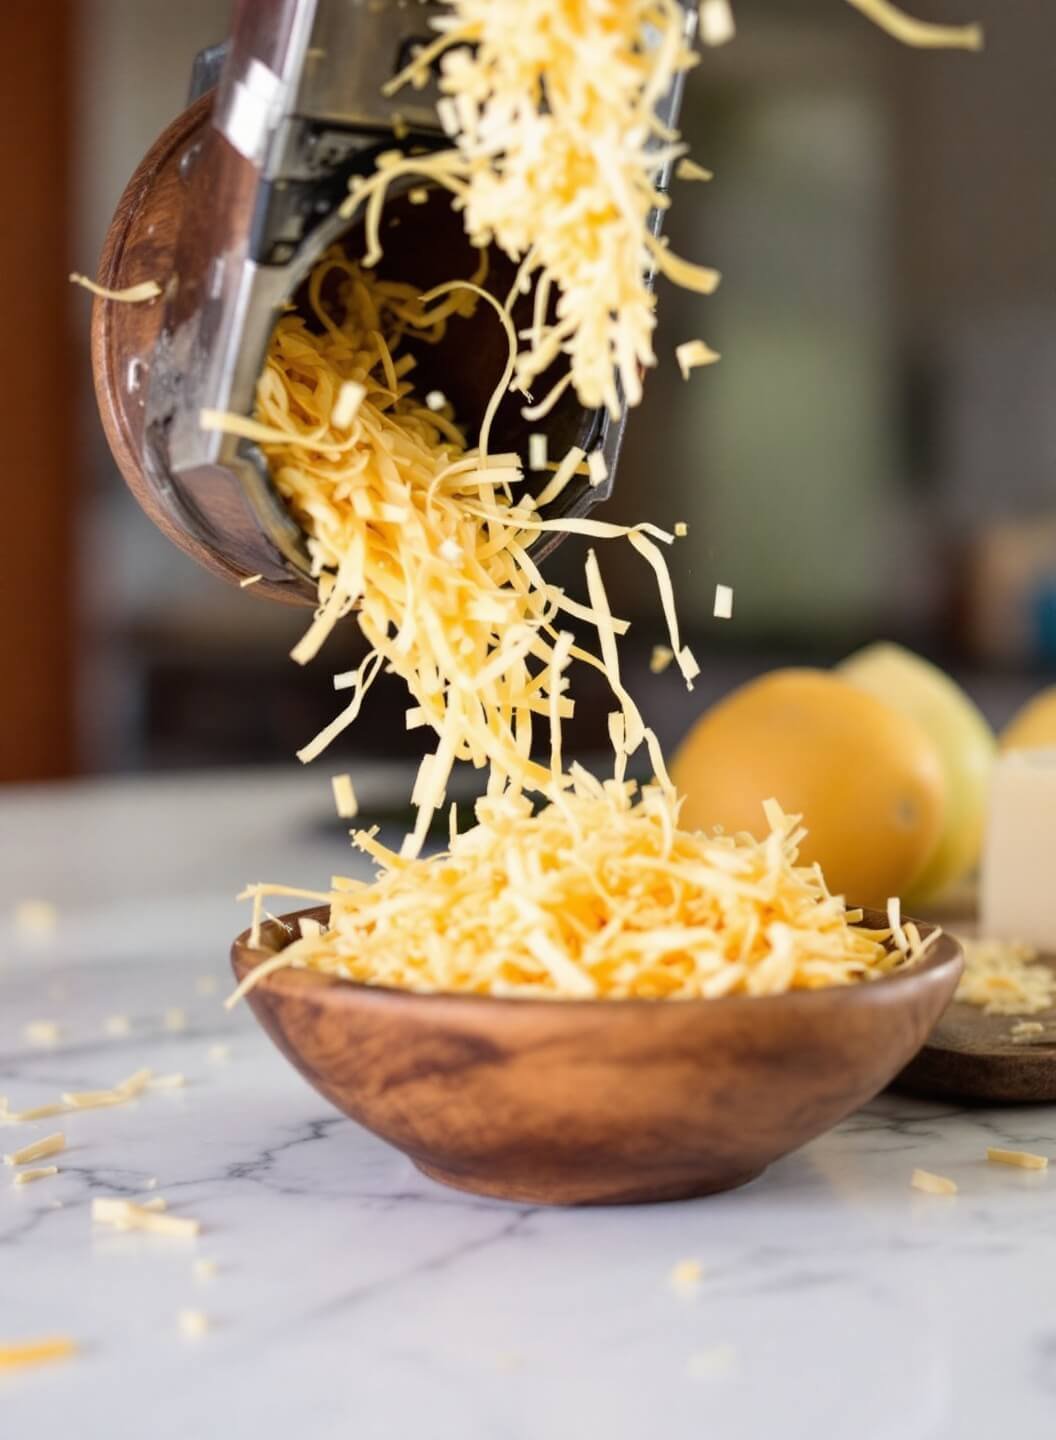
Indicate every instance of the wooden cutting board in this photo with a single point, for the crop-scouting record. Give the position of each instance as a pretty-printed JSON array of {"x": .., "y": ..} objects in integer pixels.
[{"x": 972, "y": 1056}]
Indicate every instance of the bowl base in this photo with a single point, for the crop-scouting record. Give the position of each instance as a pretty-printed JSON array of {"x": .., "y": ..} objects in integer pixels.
[{"x": 534, "y": 1190}]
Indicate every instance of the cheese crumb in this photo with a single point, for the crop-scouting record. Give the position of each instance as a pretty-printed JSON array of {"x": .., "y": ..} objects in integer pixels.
[
  {"x": 537, "y": 451},
  {"x": 418, "y": 196},
  {"x": 685, "y": 1278},
  {"x": 248, "y": 580},
  {"x": 38, "y": 1150},
  {"x": 35, "y": 918},
  {"x": 597, "y": 469},
  {"x": 344, "y": 796},
  {"x": 681, "y": 529},
  {"x": 933, "y": 1184},
  {"x": 716, "y": 1363},
  {"x": 206, "y": 985},
  {"x": 175, "y": 1019},
  {"x": 193, "y": 1323},
  {"x": 117, "y": 1025},
  {"x": 660, "y": 659},
  {"x": 693, "y": 354},
  {"x": 26, "y": 1177},
  {"x": 687, "y": 169},
  {"x": 204, "y": 1269},
  {"x": 723, "y": 608},
  {"x": 42, "y": 1032},
  {"x": 435, "y": 400},
  {"x": 36, "y": 1352},
  {"x": 717, "y": 25},
  {"x": 219, "y": 1053},
  {"x": 1022, "y": 1158},
  {"x": 126, "y": 1215}
]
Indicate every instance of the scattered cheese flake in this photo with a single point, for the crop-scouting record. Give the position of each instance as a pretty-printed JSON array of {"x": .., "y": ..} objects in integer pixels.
[
  {"x": 126, "y": 1215},
  {"x": 219, "y": 1052},
  {"x": 435, "y": 400},
  {"x": 42, "y": 1032},
  {"x": 38, "y": 1150},
  {"x": 717, "y": 25},
  {"x": 687, "y": 169},
  {"x": 131, "y": 295},
  {"x": 933, "y": 1184},
  {"x": 681, "y": 529},
  {"x": 716, "y": 1363},
  {"x": 418, "y": 196},
  {"x": 175, "y": 1019},
  {"x": 723, "y": 608},
  {"x": 206, "y": 985},
  {"x": 917, "y": 32},
  {"x": 248, "y": 580},
  {"x": 1004, "y": 978},
  {"x": 35, "y": 918},
  {"x": 660, "y": 659},
  {"x": 204, "y": 1269},
  {"x": 26, "y": 1177},
  {"x": 117, "y": 1025},
  {"x": 1021, "y": 1158},
  {"x": 36, "y": 1352},
  {"x": 193, "y": 1323},
  {"x": 537, "y": 451},
  {"x": 685, "y": 1278},
  {"x": 694, "y": 353},
  {"x": 344, "y": 796}
]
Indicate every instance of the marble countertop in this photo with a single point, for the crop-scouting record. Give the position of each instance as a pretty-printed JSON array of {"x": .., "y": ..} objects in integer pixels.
[{"x": 353, "y": 1298}]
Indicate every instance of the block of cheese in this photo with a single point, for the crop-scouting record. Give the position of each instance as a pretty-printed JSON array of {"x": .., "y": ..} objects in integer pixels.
[{"x": 1018, "y": 893}]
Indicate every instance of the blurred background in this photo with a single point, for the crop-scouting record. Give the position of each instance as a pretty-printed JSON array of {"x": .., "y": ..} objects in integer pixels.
[{"x": 873, "y": 457}]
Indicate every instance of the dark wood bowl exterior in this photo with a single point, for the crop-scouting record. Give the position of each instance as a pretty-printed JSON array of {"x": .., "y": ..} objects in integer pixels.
[{"x": 598, "y": 1102}]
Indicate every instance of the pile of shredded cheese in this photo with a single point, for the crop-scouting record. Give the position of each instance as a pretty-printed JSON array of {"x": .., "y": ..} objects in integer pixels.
[
  {"x": 599, "y": 895},
  {"x": 1003, "y": 978},
  {"x": 429, "y": 542}
]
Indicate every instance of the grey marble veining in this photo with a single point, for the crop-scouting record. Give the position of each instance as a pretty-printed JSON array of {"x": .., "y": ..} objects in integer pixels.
[{"x": 354, "y": 1298}]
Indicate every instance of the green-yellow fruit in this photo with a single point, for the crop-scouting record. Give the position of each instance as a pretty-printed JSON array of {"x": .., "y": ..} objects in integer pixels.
[
  {"x": 866, "y": 779},
  {"x": 964, "y": 740},
  {"x": 1033, "y": 727}
]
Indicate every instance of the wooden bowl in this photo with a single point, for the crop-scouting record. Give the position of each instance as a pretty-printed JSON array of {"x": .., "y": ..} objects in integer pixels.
[{"x": 575, "y": 1102}]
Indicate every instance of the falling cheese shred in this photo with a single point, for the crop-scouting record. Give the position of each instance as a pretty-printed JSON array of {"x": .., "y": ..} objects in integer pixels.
[
  {"x": 716, "y": 22},
  {"x": 130, "y": 295},
  {"x": 694, "y": 353},
  {"x": 687, "y": 169},
  {"x": 918, "y": 33},
  {"x": 344, "y": 796},
  {"x": 597, "y": 895}
]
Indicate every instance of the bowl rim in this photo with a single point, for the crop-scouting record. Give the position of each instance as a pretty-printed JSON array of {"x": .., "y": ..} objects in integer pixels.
[{"x": 946, "y": 952}]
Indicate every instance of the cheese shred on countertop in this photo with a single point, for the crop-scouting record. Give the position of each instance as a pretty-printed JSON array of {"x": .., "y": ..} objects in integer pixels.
[
  {"x": 933, "y": 1184},
  {"x": 1004, "y": 978},
  {"x": 1023, "y": 1159},
  {"x": 598, "y": 895}
]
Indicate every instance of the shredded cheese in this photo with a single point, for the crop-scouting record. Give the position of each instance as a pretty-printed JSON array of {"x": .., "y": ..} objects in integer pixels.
[
  {"x": 126, "y": 1215},
  {"x": 175, "y": 1019},
  {"x": 35, "y": 918},
  {"x": 685, "y": 1278},
  {"x": 556, "y": 154},
  {"x": 1021, "y": 1158},
  {"x": 220, "y": 1052},
  {"x": 660, "y": 659},
  {"x": 248, "y": 580},
  {"x": 692, "y": 354},
  {"x": 193, "y": 1323},
  {"x": 27, "y": 1353},
  {"x": 27, "y": 1177},
  {"x": 687, "y": 169},
  {"x": 599, "y": 894},
  {"x": 933, "y": 1184},
  {"x": 344, "y": 796},
  {"x": 131, "y": 295},
  {"x": 204, "y": 1269},
  {"x": 723, "y": 607},
  {"x": 42, "y": 1032},
  {"x": 1004, "y": 978},
  {"x": 716, "y": 22},
  {"x": 38, "y": 1150},
  {"x": 117, "y": 1025},
  {"x": 537, "y": 451},
  {"x": 917, "y": 32}
]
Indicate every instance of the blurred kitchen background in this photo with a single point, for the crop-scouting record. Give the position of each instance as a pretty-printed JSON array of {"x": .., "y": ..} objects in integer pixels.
[{"x": 873, "y": 457}]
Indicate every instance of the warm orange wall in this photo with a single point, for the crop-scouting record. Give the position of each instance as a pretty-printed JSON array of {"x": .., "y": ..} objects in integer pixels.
[{"x": 38, "y": 457}]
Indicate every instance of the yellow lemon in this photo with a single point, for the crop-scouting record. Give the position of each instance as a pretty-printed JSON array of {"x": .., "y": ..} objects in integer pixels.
[
  {"x": 1033, "y": 727},
  {"x": 964, "y": 740},
  {"x": 867, "y": 780}
]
